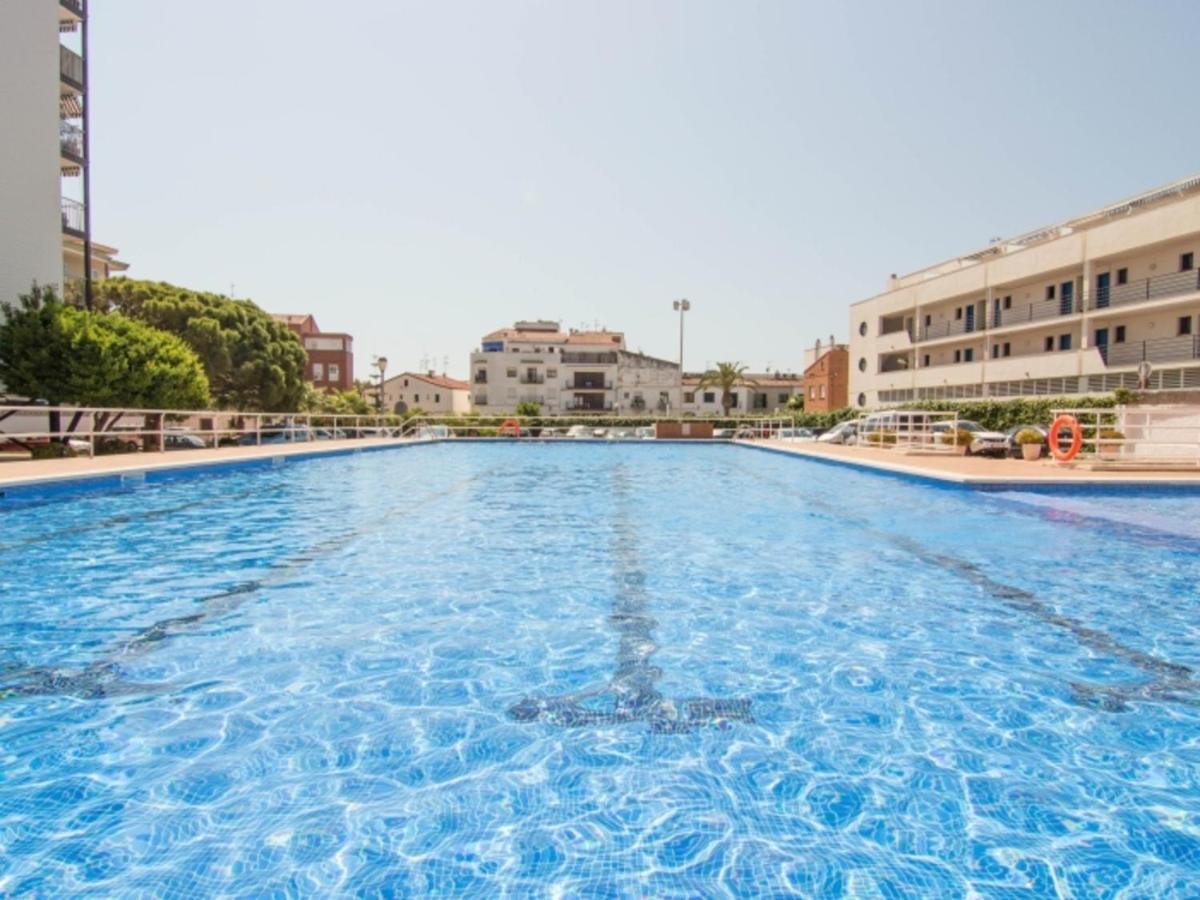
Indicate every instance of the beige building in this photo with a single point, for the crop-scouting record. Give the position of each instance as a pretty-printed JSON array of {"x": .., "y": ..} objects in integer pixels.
[
  {"x": 568, "y": 372},
  {"x": 1072, "y": 308},
  {"x": 430, "y": 392},
  {"x": 44, "y": 225}
]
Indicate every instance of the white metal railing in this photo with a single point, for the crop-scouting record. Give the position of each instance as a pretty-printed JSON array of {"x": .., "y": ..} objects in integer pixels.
[
  {"x": 1138, "y": 436},
  {"x": 92, "y": 430},
  {"x": 635, "y": 427},
  {"x": 910, "y": 430}
]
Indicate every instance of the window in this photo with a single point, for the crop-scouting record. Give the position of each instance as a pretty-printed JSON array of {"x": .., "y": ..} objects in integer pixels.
[
  {"x": 335, "y": 372},
  {"x": 812, "y": 392},
  {"x": 1185, "y": 325},
  {"x": 318, "y": 371},
  {"x": 406, "y": 382},
  {"x": 1008, "y": 302},
  {"x": 822, "y": 392},
  {"x": 1049, "y": 292},
  {"x": 416, "y": 398},
  {"x": 862, "y": 399},
  {"x": 958, "y": 356},
  {"x": 1122, "y": 276},
  {"x": 1049, "y": 344},
  {"x": 689, "y": 397},
  {"x": 958, "y": 312},
  {"x": 437, "y": 398},
  {"x": 1064, "y": 342},
  {"x": 862, "y": 329},
  {"x": 733, "y": 398},
  {"x": 969, "y": 354},
  {"x": 511, "y": 373},
  {"x": 710, "y": 397},
  {"x": 1007, "y": 349},
  {"x": 925, "y": 360},
  {"x": 995, "y": 351},
  {"x": 552, "y": 373},
  {"x": 783, "y": 398},
  {"x": 1119, "y": 336},
  {"x": 928, "y": 322},
  {"x": 862, "y": 364},
  {"x": 627, "y": 395},
  {"x": 1187, "y": 262}
]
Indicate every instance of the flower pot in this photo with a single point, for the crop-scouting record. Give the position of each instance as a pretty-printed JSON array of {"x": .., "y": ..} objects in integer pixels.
[{"x": 1031, "y": 451}]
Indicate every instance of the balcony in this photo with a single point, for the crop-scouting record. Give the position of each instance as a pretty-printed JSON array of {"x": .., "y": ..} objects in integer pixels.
[
  {"x": 1184, "y": 347},
  {"x": 70, "y": 67},
  {"x": 532, "y": 379},
  {"x": 1146, "y": 289},
  {"x": 70, "y": 142},
  {"x": 74, "y": 7},
  {"x": 948, "y": 329},
  {"x": 72, "y": 217},
  {"x": 481, "y": 400},
  {"x": 579, "y": 405},
  {"x": 481, "y": 378},
  {"x": 590, "y": 384},
  {"x": 1037, "y": 312}
]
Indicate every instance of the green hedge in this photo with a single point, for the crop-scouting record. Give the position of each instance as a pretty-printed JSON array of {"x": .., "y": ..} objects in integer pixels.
[{"x": 1001, "y": 415}]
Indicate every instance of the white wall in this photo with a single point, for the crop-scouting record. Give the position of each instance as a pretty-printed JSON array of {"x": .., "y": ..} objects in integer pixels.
[{"x": 30, "y": 218}]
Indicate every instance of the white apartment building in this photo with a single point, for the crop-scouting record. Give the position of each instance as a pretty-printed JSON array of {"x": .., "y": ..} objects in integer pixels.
[
  {"x": 1068, "y": 309},
  {"x": 763, "y": 392},
  {"x": 568, "y": 372},
  {"x": 429, "y": 391}
]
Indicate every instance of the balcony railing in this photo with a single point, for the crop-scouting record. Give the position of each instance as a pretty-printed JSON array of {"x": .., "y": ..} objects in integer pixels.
[
  {"x": 72, "y": 216},
  {"x": 946, "y": 329},
  {"x": 572, "y": 357},
  {"x": 895, "y": 364},
  {"x": 533, "y": 379},
  {"x": 1037, "y": 312},
  {"x": 70, "y": 141},
  {"x": 1186, "y": 346},
  {"x": 481, "y": 378},
  {"x": 1147, "y": 289},
  {"x": 589, "y": 407},
  {"x": 590, "y": 384},
  {"x": 73, "y": 6},
  {"x": 70, "y": 67}
]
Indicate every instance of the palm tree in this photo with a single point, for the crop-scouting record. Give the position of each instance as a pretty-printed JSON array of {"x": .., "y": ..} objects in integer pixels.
[{"x": 726, "y": 376}]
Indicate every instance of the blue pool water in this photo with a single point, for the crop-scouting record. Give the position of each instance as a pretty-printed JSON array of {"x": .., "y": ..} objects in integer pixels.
[{"x": 595, "y": 670}]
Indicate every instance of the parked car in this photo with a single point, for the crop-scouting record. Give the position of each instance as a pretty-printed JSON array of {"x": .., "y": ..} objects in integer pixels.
[
  {"x": 645, "y": 433},
  {"x": 843, "y": 433},
  {"x": 280, "y": 434},
  {"x": 182, "y": 440},
  {"x": 1012, "y": 448},
  {"x": 579, "y": 432},
  {"x": 795, "y": 434},
  {"x": 983, "y": 442},
  {"x": 723, "y": 434},
  {"x": 621, "y": 434}
]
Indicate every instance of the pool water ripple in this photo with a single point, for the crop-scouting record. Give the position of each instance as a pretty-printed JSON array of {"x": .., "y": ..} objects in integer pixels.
[{"x": 301, "y": 680}]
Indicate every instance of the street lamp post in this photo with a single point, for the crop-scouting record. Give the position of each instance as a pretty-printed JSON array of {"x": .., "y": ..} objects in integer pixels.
[
  {"x": 380, "y": 363},
  {"x": 681, "y": 306}
]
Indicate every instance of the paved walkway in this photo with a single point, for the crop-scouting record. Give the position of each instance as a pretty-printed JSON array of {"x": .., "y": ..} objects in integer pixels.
[
  {"x": 977, "y": 470},
  {"x": 29, "y": 471}
]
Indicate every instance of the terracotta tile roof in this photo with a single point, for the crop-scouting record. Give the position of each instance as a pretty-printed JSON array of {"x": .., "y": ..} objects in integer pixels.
[{"x": 596, "y": 337}]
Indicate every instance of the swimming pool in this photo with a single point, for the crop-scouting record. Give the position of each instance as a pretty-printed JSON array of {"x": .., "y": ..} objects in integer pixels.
[{"x": 594, "y": 670}]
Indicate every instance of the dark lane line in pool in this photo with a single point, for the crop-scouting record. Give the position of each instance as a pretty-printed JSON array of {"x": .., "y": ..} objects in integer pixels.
[
  {"x": 631, "y": 692},
  {"x": 104, "y": 677},
  {"x": 1170, "y": 681}
]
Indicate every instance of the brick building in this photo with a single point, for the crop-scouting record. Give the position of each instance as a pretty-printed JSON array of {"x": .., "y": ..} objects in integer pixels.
[
  {"x": 826, "y": 377},
  {"x": 330, "y": 353}
]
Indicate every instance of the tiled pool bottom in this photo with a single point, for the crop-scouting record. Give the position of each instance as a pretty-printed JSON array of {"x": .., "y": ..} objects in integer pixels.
[{"x": 593, "y": 671}]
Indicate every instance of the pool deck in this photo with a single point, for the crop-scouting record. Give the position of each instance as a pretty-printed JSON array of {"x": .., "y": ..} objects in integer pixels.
[
  {"x": 18, "y": 472},
  {"x": 975, "y": 470}
]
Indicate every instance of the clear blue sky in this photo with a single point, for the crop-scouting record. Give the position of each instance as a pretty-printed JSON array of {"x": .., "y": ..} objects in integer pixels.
[{"x": 420, "y": 173}]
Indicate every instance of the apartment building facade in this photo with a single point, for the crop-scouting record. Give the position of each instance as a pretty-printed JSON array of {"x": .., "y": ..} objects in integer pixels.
[
  {"x": 568, "y": 372},
  {"x": 1074, "y": 308},
  {"x": 429, "y": 391},
  {"x": 330, "y": 353},
  {"x": 44, "y": 220}
]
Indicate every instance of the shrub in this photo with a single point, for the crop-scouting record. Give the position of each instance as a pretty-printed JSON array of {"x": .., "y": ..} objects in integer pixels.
[
  {"x": 958, "y": 437},
  {"x": 1029, "y": 436}
]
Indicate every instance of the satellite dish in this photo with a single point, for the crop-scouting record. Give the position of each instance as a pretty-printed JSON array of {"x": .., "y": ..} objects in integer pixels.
[{"x": 1143, "y": 372}]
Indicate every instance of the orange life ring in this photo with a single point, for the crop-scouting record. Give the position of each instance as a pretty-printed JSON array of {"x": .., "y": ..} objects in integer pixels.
[
  {"x": 509, "y": 426},
  {"x": 1065, "y": 421}
]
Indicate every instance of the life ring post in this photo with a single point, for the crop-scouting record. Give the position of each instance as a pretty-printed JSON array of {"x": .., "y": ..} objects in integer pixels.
[{"x": 1064, "y": 420}]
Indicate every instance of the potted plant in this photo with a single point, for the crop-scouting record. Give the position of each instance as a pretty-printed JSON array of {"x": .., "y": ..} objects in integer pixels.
[
  {"x": 960, "y": 439},
  {"x": 1110, "y": 442},
  {"x": 1031, "y": 442}
]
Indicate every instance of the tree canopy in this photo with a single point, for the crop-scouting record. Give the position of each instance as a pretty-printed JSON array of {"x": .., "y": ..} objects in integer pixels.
[
  {"x": 252, "y": 361},
  {"x": 52, "y": 351},
  {"x": 726, "y": 376}
]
